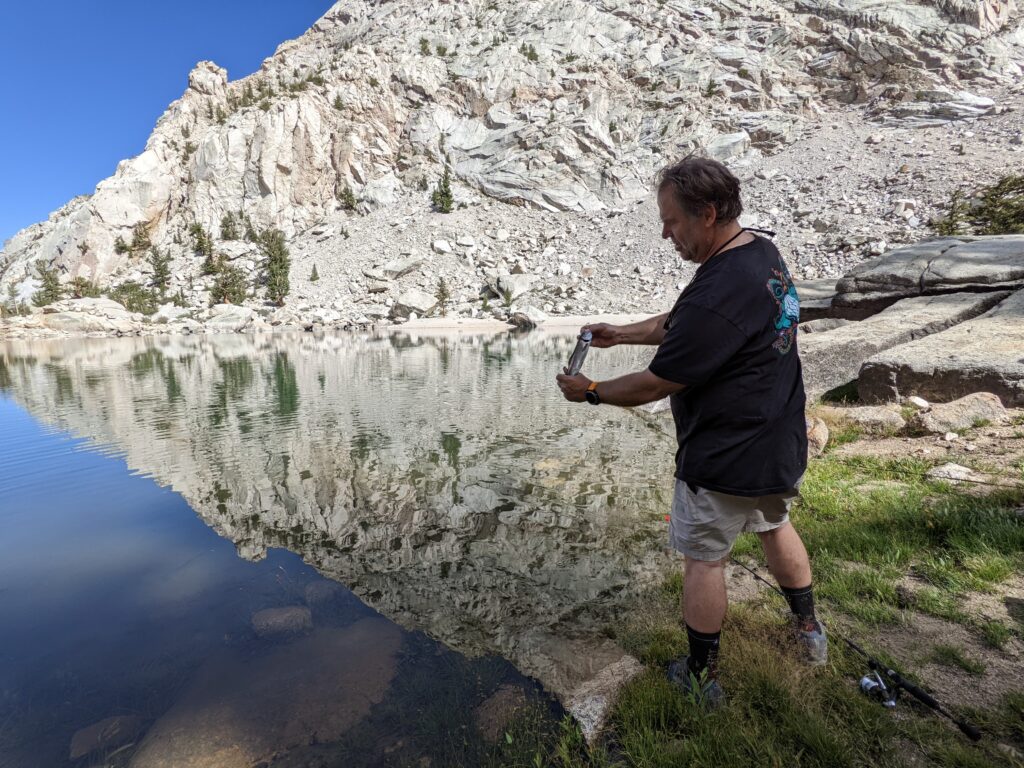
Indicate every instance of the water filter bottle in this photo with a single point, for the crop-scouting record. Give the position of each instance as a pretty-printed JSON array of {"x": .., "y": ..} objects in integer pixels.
[{"x": 580, "y": 353}]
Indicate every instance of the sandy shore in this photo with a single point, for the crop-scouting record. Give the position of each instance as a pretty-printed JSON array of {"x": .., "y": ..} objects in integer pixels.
[{"x": 561, "y": 324}]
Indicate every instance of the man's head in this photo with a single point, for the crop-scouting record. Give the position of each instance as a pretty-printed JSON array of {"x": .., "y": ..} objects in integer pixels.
[{"x": 698, "y": 199}]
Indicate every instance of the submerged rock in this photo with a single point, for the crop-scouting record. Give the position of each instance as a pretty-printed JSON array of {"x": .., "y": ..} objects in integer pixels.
[
  {"x": 237, "y": 712},
  {"x": 282, "y": 621},
  {"x": 106, "y": 734}
]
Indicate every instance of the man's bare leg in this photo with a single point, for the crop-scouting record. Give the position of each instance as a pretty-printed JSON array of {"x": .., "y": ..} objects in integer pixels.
[
  {"x": 789, "y": 564},
  {"x": 787, "y": 557},
  {"x": 704, "y": 598},
  {"x": 704, "y": 605}
]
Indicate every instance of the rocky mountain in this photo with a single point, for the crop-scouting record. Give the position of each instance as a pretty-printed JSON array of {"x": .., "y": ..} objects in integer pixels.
[{"x": 551, "y": 117}]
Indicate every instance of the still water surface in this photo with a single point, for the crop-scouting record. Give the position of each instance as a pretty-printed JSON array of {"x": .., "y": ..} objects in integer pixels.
[{"x": 441, "y": 540}]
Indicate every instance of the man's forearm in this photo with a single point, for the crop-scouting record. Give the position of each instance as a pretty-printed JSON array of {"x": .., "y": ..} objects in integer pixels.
[
  {"x": 629, "y": 390},
  {"x": 649, "y": 331}
]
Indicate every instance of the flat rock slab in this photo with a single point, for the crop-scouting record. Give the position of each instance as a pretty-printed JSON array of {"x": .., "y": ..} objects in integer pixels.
[
  {"x": 985, "y": 354},
  {"x": 833, "y": 358},
  {"x": 237, "y": 712},
  {"x": 871, "y": 418},
  {"x": 815, "y": 297},
  {"x": 936, "y": 266}
]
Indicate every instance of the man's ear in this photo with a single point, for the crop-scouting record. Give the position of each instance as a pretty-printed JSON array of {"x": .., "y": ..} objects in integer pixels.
[{"x": 709, "y": 216}]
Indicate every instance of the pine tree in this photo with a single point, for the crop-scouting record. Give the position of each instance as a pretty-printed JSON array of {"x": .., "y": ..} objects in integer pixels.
[
  {"x": 120, "y": 246},
  {"x": 348, "y": 199},
  {"x": 314, "y": 275},
  {"x": 229, "y": 287},
  {"x": 140, "y": 239},
  {"x": 228, "y": 229},
  {"x": 443, "y": 295},
  {"x": 50, "y": 289},
  {"x": 276, "y": 266},
  {"x": 442, "y": 199},
  {"x": 161, "y": 263},
  {"x": 202, "y": 244},
  {"x": 338, "y": 103}
]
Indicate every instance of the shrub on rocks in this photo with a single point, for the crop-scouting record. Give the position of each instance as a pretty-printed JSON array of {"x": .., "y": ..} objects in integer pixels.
[
  {"x": 50, "y": 289},
  {"x": 314, "y": 275},
  {"x": 84, "y": 289},
  {"x": 228, "y": 227},
  {"x": 135, "y": 297},
  {"x": 442, "y": 198},
  {"x": 995, "y": 210},
  {"x": 229, "y": 288}
]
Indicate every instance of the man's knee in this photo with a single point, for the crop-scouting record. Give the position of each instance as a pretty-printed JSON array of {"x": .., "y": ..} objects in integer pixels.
[
  {"x": 693, "y": 564},
  {"x": 774, "y": 533}
]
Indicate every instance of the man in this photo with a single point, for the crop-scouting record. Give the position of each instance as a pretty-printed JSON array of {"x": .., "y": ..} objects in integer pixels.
[{"x": 727, "y": 356}]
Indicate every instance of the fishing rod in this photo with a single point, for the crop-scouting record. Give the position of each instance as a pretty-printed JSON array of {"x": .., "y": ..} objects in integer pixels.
[{"x": 881, "y": 672}]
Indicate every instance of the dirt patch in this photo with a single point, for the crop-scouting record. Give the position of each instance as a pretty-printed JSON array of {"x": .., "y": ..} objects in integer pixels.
[
  {"x": 994, "y": 451},
  {"x": 912, "y": 646}
]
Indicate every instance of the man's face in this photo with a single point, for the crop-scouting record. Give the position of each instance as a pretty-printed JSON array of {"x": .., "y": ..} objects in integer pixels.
[{"x": 689, "y": 234}]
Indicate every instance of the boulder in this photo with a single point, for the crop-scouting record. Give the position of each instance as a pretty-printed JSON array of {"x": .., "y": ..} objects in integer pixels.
[
  {"x": 970, "y": 411},
  {"x": 168, "y": 313},
  {"x": 833, "y": 358},
  {"x": 497, "y": 712},
  {"x": 514, "y": 286},
  {"x": 937, "y": 266},
  {"x": 823, "y": 324},
  {"x": 817, "y": 436},
  {"x": 870, "y": 418},
  {"x": 413, "y": 301},
  {"x": 815, "y": 298},
  {"x": 953, "y": 473},
  {"x": 591, "y": 702},
  {"x": 402, "y": 266},
  {"x": 729, "y": 145},
  {"x": 104, "y": 735},
  {"x": 227, "y": 318},
  {"x": 983, "y": 354},
  {"x": 239, "y": 711},
  {"x": 529, "y": 313},
  {"x": 288, "y": 620}
]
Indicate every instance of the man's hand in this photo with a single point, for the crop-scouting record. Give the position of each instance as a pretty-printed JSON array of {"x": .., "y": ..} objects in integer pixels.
[
  {"x": 573, "y": 387},
  {"x": 605, "y": 335}
]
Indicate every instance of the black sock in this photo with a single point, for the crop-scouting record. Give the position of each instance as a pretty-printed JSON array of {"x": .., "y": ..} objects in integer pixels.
[
  {"x": 703, "y": 651},
  {"x": 801, "y": 601}
]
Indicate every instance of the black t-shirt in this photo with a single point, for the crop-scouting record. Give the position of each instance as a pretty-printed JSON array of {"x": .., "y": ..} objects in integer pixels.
[{"x": 731, "y": 339}]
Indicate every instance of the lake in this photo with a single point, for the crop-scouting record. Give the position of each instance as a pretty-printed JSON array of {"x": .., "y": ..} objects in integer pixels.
[{"x": 359, "y": 549}]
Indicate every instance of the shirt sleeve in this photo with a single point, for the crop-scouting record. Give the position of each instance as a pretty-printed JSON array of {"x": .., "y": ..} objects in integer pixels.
[{"x": 699, "y": 342}]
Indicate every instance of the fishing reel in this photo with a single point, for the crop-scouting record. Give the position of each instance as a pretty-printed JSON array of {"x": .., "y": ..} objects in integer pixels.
[{"x": 874, "y": 687}]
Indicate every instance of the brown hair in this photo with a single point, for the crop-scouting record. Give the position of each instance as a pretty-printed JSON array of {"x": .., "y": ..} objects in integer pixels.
[{"x": 698, "y": 182}]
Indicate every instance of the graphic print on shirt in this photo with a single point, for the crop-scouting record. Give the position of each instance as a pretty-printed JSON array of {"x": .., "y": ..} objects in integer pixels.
[{"x": 788, "y": 316}]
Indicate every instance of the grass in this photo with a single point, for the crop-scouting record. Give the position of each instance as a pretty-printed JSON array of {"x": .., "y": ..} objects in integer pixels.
[
  {"x": 885, "y": 542},
  {"x": 951, "y": 656}
]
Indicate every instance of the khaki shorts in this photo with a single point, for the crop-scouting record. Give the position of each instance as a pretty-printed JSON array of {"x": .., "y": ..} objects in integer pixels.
[{"x": 704, "y": 525}]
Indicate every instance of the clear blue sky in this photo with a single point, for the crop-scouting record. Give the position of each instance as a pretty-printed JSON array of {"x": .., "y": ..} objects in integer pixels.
[{"x": 83, "y": 83}]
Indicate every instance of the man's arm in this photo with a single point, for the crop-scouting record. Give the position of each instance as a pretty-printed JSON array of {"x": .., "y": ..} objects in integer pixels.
[
  {"x": 649, "y": 331},
  {"x": 629, "y": 390}
]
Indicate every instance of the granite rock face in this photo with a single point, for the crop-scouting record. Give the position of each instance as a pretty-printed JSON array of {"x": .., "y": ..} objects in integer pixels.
[
  {"x": 567, "y": 106},
  {"x": 936, "y": 266},
  {"x": 985, "y": 354},
  {"x": 832, "y": 358}
]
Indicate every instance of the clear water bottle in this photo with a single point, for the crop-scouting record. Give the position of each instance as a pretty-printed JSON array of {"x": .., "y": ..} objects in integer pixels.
[{"x": 580, "y": 353}]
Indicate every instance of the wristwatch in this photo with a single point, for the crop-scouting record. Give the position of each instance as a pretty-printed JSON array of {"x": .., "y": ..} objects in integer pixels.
[{"x": 591, "y": 394}]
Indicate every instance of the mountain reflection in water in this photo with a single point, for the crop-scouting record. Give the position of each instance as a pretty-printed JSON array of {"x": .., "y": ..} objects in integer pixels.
[{"x": 443, "y": 479}]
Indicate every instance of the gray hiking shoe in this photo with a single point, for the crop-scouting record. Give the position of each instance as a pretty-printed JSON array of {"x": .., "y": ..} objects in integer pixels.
[
  {"x": 704, "y": 691},
  {"x": 811, "y": 636}
]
